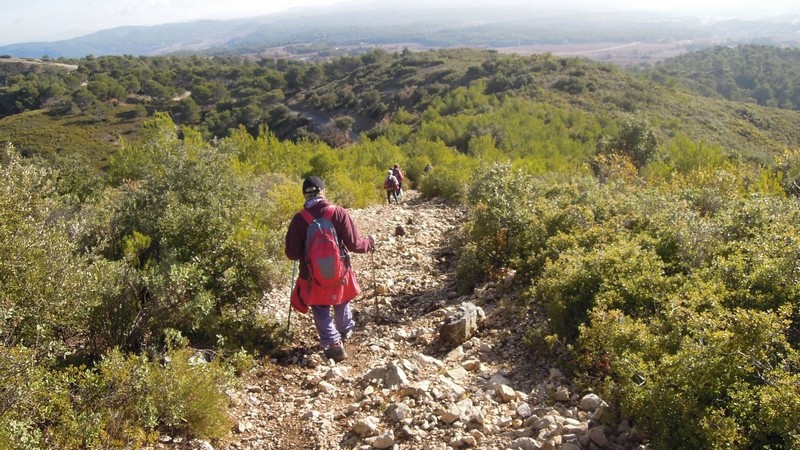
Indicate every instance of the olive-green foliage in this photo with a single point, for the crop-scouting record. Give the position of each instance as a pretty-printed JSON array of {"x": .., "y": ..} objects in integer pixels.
[
  {"x": 197, "y": 229},
  {"x": 636, "y": 140},
  {"x": 354, "y": 190},
  {"x": 788, "y": 164},
  {"x": 671, "y": 272},
  {"x": 184, "y": 395},
  {"x": 683, "y": 156},
  {"x": 501, "y": 231},
  {"x": 615, "y": 276},
  {"x": 698, "y": 345},
  {"x": 552, "y": 108},
  {"x": 546, "y": 136},
  {"x": 189, "y": 231},
  {"x": 450, "y": 180},
  {"x": 123, "y": 402},
  {"x": 61, "y": 307},
  {"x": 451, "y": 171},
  {"x": 713, "y": 367},
  {"x": 46, "y": 289},
  {"x": 353, "y": 175},
  {"x": 678, "y": 295},
  {"x": 761, "y": 74},
  {"x": 520, "y": 221},
  {"x": 35, "y": 133},
  {"x": 184, "y": 240},
  {"x": 266, "y": 154},
  {"x": 364, "y": 164}
]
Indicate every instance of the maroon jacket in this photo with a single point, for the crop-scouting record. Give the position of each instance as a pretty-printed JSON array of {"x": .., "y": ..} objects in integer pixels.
[{"x": 345, "y": 229}]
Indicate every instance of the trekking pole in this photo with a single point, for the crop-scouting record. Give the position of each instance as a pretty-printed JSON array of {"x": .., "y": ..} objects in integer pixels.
[
  {"x": 291, "y": 290},
  {"x": 374, "y": 283}
]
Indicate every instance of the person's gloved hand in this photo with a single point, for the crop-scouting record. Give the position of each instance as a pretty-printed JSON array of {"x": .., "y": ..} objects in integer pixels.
[{"x": 371, "y": 243}]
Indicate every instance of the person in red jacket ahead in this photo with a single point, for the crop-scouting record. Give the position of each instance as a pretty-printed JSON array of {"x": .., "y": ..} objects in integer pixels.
[{"x": 332, "y": 331}]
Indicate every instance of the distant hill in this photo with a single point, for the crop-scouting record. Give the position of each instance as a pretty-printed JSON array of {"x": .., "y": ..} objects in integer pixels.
[
  {"x": 151, "y": 40},
  {"x": 617, "y": 36},
  {"x": 760, "y": 74}
]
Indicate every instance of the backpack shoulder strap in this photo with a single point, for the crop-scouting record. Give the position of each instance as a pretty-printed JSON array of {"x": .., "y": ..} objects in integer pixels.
[
  {"x": 307, "y": 215},
  {"x": 326, "y": 213}
]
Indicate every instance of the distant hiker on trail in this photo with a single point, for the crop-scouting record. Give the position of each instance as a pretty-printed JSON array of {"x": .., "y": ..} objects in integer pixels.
[
  {"x": 427, "y": 168},
  {"x": 400, "y": 177},
  {"x": 391, "y": 185},
  {"x": 319, "y": 236}
]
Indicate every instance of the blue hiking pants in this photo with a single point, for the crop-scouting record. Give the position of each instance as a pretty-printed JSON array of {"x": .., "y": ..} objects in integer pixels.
[{"x": 330, "y": 328}]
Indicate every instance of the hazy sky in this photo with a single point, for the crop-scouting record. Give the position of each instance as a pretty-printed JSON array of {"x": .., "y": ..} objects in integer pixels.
[{"x": 48, "y": 20}]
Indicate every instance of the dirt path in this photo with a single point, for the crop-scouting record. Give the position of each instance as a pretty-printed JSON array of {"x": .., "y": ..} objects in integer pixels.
[{"x": 402, "y": 387}]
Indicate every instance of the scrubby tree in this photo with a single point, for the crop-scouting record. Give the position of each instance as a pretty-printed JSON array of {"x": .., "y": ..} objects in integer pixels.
[
  {"x": 209, "y": 93},
  {"x": 188, "y": 111},
  {"x": 84, "y": 99},
  {"x": 176, "y": 212},
  {"x": 345, "y": 123},
  {"x": 636, "y": 140}
]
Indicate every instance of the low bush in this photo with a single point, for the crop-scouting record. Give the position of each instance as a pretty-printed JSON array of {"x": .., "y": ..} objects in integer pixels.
[
  {"x": 47, "y": 289},
  {"x": 197, "y": 243},
  {"x": 620, "y": 276},
  {"x": 449, "y": 179},
  {"x": 502, "y": 230},
  {"x": 123, "y": 402},
  {"x": 700, "y": 379},
  {"x": 677, "y": 296}
]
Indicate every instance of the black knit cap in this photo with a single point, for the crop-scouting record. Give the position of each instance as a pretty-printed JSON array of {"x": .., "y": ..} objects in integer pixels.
[{"x": 312, "y": 185}]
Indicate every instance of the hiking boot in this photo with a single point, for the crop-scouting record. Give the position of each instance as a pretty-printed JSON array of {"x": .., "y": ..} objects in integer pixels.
[{"x": 336, "y": 352}]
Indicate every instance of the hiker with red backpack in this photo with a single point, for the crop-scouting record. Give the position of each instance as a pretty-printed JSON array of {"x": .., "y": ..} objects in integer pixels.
[
  {"x": 320, "y": 236},
  {"x": 400, "y": 177},
  {"x": 392, "y": 186}
]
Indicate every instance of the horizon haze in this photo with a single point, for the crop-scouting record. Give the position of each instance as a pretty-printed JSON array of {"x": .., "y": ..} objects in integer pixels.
[{"x": 53, "y": 20}]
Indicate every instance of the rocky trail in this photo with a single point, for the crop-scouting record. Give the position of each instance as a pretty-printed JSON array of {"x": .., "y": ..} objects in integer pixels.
[{"x": 409, "y": 381}]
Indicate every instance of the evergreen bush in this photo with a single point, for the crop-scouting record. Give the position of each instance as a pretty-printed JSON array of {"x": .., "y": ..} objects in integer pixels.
[{"x": 676, "y": 296}]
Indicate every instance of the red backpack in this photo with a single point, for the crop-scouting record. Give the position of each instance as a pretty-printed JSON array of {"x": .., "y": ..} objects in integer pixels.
[
  {"x": 398, "y": 174},
  {"x": 325, "y": 256}
]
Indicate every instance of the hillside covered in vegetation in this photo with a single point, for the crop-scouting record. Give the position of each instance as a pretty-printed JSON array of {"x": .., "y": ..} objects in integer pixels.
[
  {"x": 755, "y": 74},
  {"x": 142, "y": 221},
  {"x": 378, "y": 94}
]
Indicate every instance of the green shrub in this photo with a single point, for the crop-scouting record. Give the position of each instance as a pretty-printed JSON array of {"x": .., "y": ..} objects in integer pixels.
[
  {"x": 199, "y": 242},
  {"x": 683, "y": 239},
  {"x": 719, "y": 369},
  {"x": 124, "y": 402},
  {"x": 450, "y": 180},
  {"x": 355, "y": 189},
  {"x": 677, "y": 299},
  {"x": 621, "y": 276},
  {"x": 47, "y": 289},
  {"x": 684, "y": 156},
  {"x": 28, "y": 397},
  {"x": 789, "y": 165},
  {"x": 471, "y": 269},
  {"x": 503, "y": 228},
  {"x": 760, "y": 275},
  {"x": 636, "y": 140}
]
